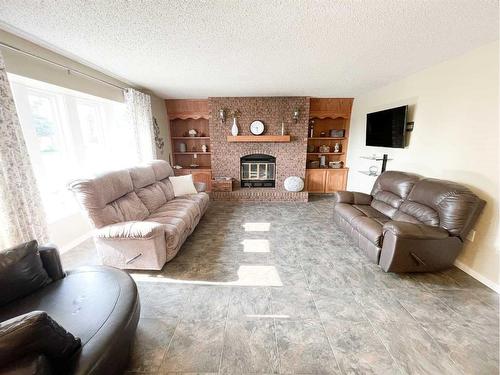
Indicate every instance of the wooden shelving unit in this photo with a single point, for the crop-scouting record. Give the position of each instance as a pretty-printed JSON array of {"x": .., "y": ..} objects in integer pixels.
[
  {"x": 184, "y": 115},
  {"x": 260, "y": 138},
  {"x": 326, "y": 114}
]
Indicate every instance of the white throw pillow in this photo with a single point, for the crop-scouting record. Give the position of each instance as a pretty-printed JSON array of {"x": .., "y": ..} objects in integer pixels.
[{"x": 183, "y": 185}]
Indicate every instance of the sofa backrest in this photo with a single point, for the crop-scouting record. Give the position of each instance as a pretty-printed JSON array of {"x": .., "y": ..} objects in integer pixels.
[
  {"x": 125, "y": 195},
  {"x": 390, "y": 190},
  {"x": 441, "y": 203}
]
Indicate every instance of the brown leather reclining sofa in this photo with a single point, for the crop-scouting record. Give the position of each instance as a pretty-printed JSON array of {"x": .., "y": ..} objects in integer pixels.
[{"x": 409, "y": 223}]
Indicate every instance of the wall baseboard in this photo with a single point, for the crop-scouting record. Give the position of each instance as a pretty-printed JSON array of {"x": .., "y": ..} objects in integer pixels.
[
  {"x": 490, "y": 284},
  {"x": 75, "y": 242}
]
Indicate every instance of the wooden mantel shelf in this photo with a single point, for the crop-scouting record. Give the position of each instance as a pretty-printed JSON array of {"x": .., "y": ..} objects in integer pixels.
[{"x": 260, "y": 138}]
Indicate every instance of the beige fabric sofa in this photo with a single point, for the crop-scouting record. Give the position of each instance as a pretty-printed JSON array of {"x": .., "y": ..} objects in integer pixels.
[{"x": 139, "y": 223}]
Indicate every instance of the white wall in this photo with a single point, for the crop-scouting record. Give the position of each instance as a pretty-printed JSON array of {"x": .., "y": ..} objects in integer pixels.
[
  {"x": 455, "y": 109},
  {"x": 159, "y": 109}
]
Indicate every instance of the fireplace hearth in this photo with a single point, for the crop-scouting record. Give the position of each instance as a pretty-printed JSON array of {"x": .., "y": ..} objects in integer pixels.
[{"x": 258, "y": 170}]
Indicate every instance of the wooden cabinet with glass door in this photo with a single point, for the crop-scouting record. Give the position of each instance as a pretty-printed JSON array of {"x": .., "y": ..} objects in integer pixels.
[{"x": 327, "y": 142}]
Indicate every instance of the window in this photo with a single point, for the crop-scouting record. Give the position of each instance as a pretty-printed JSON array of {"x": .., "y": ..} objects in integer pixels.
[{"x": 69, "y": 135}]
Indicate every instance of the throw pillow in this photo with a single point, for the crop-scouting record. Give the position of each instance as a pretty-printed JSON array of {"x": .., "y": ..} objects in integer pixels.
[
  {"x": 21, "y": 272},
  {"x": 183, "y": 185}
]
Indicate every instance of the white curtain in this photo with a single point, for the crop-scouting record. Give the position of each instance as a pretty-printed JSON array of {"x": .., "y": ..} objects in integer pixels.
[
  {"x": 140, "y": 119},
  {"x": 21, "y": 212}
]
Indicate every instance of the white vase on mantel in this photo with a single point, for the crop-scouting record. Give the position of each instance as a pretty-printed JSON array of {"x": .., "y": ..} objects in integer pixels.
[{"x": 234, "y": 128}]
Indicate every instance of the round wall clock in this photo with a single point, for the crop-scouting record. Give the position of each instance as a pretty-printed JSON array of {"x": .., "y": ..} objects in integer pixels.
[{"x": 257, "y": 127}]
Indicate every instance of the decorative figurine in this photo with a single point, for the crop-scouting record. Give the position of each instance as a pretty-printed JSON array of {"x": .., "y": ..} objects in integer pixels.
[
  {"x": 204, "y": 148},
  {"x": 336, "y": 148},
  {"x": 192, "y": 133}
]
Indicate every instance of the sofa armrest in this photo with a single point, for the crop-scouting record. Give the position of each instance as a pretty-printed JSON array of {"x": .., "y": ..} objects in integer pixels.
[
  {"x": 407, "y": 230},
  {"x": 51, "y": 261},
  {"x": 200, "y": 186},
  {"x": 352, "y": 197},
  {"x": 143, "y": 230},
  {"x": 36, "y": 364},
  {"x": 35, "y": 333}
]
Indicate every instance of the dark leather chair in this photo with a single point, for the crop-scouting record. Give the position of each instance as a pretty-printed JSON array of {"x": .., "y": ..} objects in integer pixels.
[
  {"x": 409, "y": 223},
  {"x": 99, "y": 305}
]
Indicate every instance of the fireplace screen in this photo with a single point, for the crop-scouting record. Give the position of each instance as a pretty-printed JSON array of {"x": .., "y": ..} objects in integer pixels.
[{"x": 258, "y": 170}]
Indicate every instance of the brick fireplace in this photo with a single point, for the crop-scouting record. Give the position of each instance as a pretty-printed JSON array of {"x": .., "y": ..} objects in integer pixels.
[{"x": 290, "y": 158}]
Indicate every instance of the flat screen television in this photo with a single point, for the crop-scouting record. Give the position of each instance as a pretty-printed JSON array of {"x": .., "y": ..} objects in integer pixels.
[{"x": 387, "y": 128}]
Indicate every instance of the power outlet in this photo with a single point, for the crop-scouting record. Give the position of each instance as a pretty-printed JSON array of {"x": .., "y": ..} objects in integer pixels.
[{"x": 472, "y": 234}]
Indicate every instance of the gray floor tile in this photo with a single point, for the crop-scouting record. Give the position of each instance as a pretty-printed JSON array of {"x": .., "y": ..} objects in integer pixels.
[
  {"x": 473, "y": 347},
  {"x": 341, "y": 274},
  {"x": 358, "y": 349},
  {"x": 414, "y": 350},
  {"x": 151, "y": 343},
  {"x": 207, "y": 303},
  {"x": 196, "y": 347},
  {"x": 425, "y": 307},
  {"x": 469, "y": 306},
  {"x": 247, "y": 303},
  {"x": 382, "y": 305},
  {"x": 160, "y": 300},
  {"x": 436, "y": 280},
  {"x": 293, "y": 304},
  {"x": 304, "y": 348},
  {"x": 338, "y": 303},
  {"x": 250, "y": 347}
]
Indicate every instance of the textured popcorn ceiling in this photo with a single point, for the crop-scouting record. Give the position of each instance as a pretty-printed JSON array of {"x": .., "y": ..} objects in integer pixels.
[{"x": 259, "y": 48}]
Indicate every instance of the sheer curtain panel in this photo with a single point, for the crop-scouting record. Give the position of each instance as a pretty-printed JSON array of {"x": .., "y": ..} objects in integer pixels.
[
  {"x": 21, "y": 213},
  {"x": 140, "y": 119}
]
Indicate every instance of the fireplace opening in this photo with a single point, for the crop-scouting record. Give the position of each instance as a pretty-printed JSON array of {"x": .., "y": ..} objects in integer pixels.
[{"x": 258, "y": 170}]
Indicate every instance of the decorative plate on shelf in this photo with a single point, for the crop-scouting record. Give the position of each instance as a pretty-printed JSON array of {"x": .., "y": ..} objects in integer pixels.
[{"x": 257, "y": 127}]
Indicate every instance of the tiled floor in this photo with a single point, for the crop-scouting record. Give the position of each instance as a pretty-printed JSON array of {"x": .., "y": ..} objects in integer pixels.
[{"x": 266, "y": 288}]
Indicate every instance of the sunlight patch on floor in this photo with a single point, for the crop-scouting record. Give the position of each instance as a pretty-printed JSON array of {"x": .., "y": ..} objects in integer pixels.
[
  {"x": 247, "y": 275},
  {"x": 255, "y": 246},
  {"x": 257, "y": 227},
  {"x": 268, "y": 316}
]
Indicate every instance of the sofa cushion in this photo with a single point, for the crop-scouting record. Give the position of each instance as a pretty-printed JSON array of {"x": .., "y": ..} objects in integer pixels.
[
  {"x": 152, "y": 196},
  {"x": 202, "y": 199},
  {"x": 398, "y": 183},
  {"x": 414, "y": 212},
  {"x": 162, "y": 169},
  {"x": 183, "y": 185},
  {"x": 94, "y": 195},
  {"x": 390, "y": 190},
  {"x": 369, "y": 211},
  {"x": 184, "y": 209},
  {"x": 368, "y": 228},
  {"x": 142, "y": 176},
  {"x": 386, "y": 202},
  {"x": 415, "y": 231},
  {"x": 21, "y": 272},
  {"x": 102, "y": 189},
  {"x": 455, "y": 207},
  {"x": 129, "y": 208},
  {"x": 347, "y": 211},
  {"x": 167, "y": 188}
]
